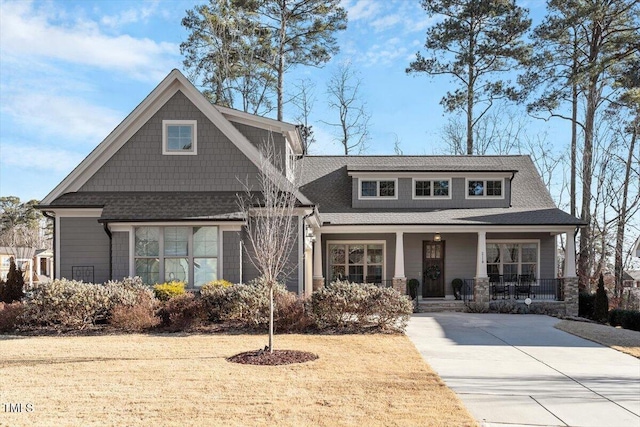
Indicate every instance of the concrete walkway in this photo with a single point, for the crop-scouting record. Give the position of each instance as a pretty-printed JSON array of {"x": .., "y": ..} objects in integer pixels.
[{"x": 520, "y": 370}]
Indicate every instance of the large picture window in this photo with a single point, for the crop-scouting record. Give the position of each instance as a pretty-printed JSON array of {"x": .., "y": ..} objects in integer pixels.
[
  {"x": 356, "y": 262},
  {"x": 187, "y": 254},
  {"x": 512, "y": 259}
]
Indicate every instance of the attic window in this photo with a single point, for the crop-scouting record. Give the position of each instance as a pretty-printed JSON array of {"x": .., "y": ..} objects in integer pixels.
[
  {"x": 484, "y": 188},
  {"x": 384, "y": 189},
  {"x": 179, "y": 137}
]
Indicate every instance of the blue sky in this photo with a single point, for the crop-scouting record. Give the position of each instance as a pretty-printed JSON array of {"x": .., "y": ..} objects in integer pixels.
[{"x": 70, "y": 71}]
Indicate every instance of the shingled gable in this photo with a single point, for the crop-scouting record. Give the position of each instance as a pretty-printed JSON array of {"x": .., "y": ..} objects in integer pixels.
[{"x": 171, "y": 84}]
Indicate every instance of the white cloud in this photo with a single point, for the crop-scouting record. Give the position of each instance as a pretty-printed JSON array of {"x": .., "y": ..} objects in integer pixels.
[
  {"x": 363, "y": 9},
  {"x": 70, "y": 119},
  {"x": 27, "y": 31},
  {"x": 131, "y": 16},
  {"x": 40, "y": 158}
]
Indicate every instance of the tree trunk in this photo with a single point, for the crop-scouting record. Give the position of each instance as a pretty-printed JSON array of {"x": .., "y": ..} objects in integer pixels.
[
  {"x": 622, "y": 217},
  {"x": 470, "y": 112},
  {"x": 283, "y": 37},
  {"x": 271, "y": 318},
  {"x": 585, "y": 262}
]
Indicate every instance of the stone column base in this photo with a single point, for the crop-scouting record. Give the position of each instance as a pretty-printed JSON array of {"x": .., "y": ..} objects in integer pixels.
[
  {"x": 571, "y": 295},
  {"x": 318, "y": 283},
  {"x": 481, "y": 291},
  {"x": 400, "y": 284}
]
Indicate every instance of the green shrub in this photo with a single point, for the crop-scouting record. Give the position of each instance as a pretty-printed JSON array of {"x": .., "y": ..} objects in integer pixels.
[
  {"x": 247, "y": 303},
  {"x": 586, "y": 304},
  {"x": 10, "y": 316},
  {"x": 72, "y": 304},
  {"x": 601, "y": 304},
  {"x": 356, "y": 306},
  {"x": 628, "y": 319},
  {"x": 168, "y": 290},
  {"x": 13, "y": 288},
  {"x": 182, "y": 312}
]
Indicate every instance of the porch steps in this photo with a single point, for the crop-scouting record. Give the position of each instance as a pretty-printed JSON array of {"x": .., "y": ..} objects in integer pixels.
[{"x": 436, "y": 306}]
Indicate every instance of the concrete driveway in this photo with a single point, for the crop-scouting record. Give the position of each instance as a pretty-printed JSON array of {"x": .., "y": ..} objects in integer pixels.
[{"x": 520, "y": 370}]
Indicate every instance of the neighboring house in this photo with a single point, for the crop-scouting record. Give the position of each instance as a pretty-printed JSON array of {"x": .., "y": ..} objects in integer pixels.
[
  {"x": 157, "y": 199},
  {"x": 36, "y": 265},
  {"x": 631, "y": 279}
]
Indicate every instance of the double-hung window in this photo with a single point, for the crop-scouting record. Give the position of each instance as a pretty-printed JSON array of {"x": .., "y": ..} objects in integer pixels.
[
  {"x": 431, "y": 188},
  {"x": 384, "y": 189},
  {"x": 484, "y": 188},
  {"x": 186, "y": 254},
  {"x": 356, "y": 262},
  {"x": 179, "y": 137},
  {"x": 512, "y": 259}
]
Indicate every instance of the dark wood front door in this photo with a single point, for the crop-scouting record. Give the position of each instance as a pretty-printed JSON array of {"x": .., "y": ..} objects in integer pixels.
[{"x": 433, "y": 269}]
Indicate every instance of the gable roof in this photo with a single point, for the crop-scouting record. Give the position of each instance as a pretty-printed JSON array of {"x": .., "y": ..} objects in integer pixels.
[
  {"x": 174, "y": 82},
  {"x": 326, "y": 181}
]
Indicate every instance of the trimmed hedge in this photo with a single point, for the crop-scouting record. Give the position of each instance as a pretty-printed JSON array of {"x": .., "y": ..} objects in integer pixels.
[
  {"x": 166, "y": 291},
  {"x": 349, "y": 305},
  {"x": 628, "y": 319}
]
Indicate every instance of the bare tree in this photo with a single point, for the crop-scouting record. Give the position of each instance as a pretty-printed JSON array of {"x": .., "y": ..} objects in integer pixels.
[
  {"x": 304, "y": 100},
  {"x": 271, "y": 223},
  {"x": 352, "y": 127}
]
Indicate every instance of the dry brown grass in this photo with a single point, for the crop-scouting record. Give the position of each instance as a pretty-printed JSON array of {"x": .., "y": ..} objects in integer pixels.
[
  {"x": 185, "y": 380},
  {"x": 623, "y": 340}
]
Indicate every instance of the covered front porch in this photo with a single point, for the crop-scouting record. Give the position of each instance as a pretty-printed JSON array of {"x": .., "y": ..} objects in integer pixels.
[{"x": 494, "y": 263}]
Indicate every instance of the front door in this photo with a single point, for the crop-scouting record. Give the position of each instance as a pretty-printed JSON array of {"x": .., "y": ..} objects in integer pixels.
[{"x": 433, "y": 269}]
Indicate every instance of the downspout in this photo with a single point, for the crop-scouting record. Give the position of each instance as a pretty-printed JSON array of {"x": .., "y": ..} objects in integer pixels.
[
  {"x": 106, "y": 230},
  {"x": 55, "y": 255},
  {"x": 513, "y": 174}
]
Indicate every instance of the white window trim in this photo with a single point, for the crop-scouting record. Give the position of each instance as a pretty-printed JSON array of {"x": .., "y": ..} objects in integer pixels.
[
  {"x": 378, "y": 196},
  {"x": 131, "y": 229},
  {"x": 355, "y": 242},
  {"x": 484, "y": 196},
  {"x": 193, "y": 124},
  {"x": 413, "y": 189},
  {"x": 507, "y": 241}
]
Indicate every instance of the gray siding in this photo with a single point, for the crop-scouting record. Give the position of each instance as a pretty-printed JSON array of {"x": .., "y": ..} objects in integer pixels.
[
  {"x": 83, "y": 242},
  {"x": 405, "y": 200},
  {"x": 140, "y": 166},
  {"x": 258, "y": 137},
  {"x": 120, "y": 254},
  {"x": 231, "y": 256}
]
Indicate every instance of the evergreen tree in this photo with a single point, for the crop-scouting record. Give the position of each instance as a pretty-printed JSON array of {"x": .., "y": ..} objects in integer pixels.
[
  {"x": 601, "y": 306},
  {"x": 475, "y": 42},
  {"x": 13, "y": 288}
]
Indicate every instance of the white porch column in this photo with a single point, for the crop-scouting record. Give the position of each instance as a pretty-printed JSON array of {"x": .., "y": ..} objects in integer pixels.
[
  {"x": 570, "y": 254},
  {"x": 399, "y": 273},
  {"x": 481, "y": 263},
  {"x": 308, "y": 269},
  {"x": 318, "y": 278}
]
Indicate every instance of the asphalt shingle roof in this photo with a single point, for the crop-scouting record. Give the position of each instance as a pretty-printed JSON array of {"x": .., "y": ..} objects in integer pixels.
[{"x": 325, "y": 181}]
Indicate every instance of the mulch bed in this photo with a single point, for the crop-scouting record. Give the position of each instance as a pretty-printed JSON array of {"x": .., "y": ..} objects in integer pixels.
[{"x": 278, "y": 357}]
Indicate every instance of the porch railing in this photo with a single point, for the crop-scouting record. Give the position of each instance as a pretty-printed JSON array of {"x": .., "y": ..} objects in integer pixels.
[
  {"x": 467, "y": 290},
  {"x": 523, "y": 287}
]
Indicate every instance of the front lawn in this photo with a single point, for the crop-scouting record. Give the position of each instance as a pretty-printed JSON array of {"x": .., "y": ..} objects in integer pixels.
[{"x": 174, "y": 379}]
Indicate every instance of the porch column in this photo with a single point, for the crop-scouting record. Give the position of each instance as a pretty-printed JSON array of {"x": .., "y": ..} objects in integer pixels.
[
  {"x": 308, "y": 269},
  {"x": 399, "y": 279},
  {"x": 318, "y": 279},
  {"x": 570, "y": 255},
  {"x": 481, "y": 263}
]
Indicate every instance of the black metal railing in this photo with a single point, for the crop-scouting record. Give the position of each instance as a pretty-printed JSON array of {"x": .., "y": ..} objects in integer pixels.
[
  {"x": 467, "y": 289},
  {"x": 520, "y": 287}
]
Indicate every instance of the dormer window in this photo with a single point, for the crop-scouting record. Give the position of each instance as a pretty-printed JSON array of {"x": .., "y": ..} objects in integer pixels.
[
  {"x": 484, "y": 188},
  {"x": 378, "y": 189},
  {"x": 431, "y": 188},
  {"x": 179, "y": 137}
]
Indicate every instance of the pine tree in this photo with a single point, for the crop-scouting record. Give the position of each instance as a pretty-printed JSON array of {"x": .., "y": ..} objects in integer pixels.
[
  {"x": 12, "y": 289},
  {"x": 601, "y": 309}
]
